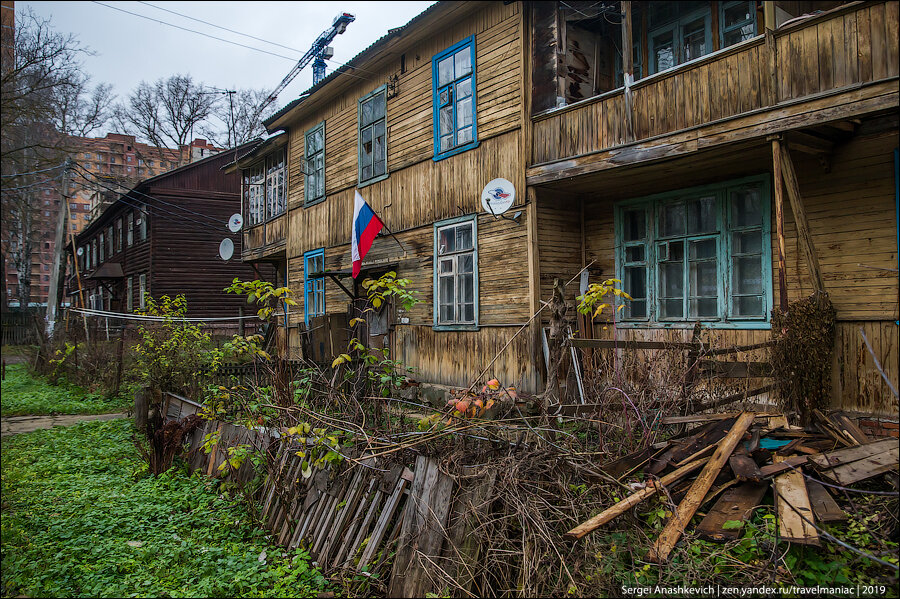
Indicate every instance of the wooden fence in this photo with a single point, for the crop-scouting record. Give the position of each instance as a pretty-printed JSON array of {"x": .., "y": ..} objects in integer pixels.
[
  {"x": 370, "y": 517},
  {"x": 20, "y": 328}
]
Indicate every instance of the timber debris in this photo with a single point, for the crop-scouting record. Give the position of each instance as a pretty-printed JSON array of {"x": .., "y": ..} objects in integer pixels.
[{"x": 735, "y": 459}]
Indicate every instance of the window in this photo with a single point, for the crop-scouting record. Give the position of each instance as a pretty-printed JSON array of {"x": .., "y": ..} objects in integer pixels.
[
  {"x": 372, "y": 137},
  {"x": 456, "y": 273},
  {"x": 679, "y": 32},
  {"x": 101, "y": 246},
  {"x": 130, "y": 229},
  {"x": 119, "y": 235},
  {"x": 112, "y": 159},
  {"x": 129, "y": 291},
  {"x": 453, "y": 96},
  {"x": 698, "y": 254},
  {"x": 109, "y": 241},
  {"x": 143, "y": 218},
  {"x": 738, "y": 22},
  {"x": 313, "y": 286},
  {"x": 314, "y": 189},
  {"x": 264, "y": 188},
  {"x": 254, "y": 194},
  {"x": 142, "y": 288}
]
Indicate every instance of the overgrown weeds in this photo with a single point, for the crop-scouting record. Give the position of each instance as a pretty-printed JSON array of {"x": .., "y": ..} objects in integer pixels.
[{"x": 27, "y": 394}]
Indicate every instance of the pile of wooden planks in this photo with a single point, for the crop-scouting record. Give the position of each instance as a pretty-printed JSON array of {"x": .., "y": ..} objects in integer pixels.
[{"x": 732, "y": 461}]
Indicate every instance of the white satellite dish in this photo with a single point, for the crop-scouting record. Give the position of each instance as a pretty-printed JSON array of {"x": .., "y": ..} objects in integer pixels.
[
  {"x": 80, "y": 251},
  {"x": 235, "y": 222},
  {"x": 226, "y": 249},
  {"x": 498, "y": 196}
]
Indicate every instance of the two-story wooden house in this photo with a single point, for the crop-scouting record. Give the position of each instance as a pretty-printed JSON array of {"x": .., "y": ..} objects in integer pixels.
[
  {"x": 162, "y": 237},
  {"x": 672, "y": 145}
]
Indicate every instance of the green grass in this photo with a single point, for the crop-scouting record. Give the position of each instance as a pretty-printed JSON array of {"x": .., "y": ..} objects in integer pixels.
[
  {"x": 26, "y": 394},
  {"x": 74, "y": 498}
]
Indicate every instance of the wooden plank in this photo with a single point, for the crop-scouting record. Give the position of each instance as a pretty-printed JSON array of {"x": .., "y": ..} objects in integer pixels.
[
  {"x": 688, "y": 506},
  {"x": 462, "y": 551},
  {"x": 384, "y": 520},
  {"x": 737, "y": 504},
  {"x": 744, "y": 467},
  {"x": 364, "y": 527},
  {"x": 736, "y": 370},
  {"x": 823, "y": 504},
  {"x": 343, "y": 556},
  {"x": 850, "y": 428},
  {"x": 783, "y": 465},
  {"x": 800, "y": 221},
  {"x": 633, "y": 499},
  {"x": 866, "y": 468},
  {"x": 793, "y": 508},
  {"x": 679, "y": 451},
  {"x": 637, "y": 345},
  {"x": 351, "y": 502}
]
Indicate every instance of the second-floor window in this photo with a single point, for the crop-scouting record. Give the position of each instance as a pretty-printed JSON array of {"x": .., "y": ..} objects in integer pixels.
[
  {"x": 453, "y": 95},
  {"x": 265, "y": 188},
  {"x": 372, "y": 138},
  {"x": 314, "y": 190},
  {"x": 254, "y": 194},
  {"x": 101, "y": 245},
  {"x": 275, "y": 184},
  {"x": 129, "y": 292},
  {"x": 142, "y": 282},
  {"x": 130, "y": 229},
  {"x": 119, "y": 235},
  {"x": 143, "y": 217}
]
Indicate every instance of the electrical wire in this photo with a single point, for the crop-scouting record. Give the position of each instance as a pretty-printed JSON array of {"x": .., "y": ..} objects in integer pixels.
[
  {"x": 52, "y": 168},
  {"x": 194, "y": 31},
  {"x": 253, "y": 37},
  {"x": 36, "y": 184}
]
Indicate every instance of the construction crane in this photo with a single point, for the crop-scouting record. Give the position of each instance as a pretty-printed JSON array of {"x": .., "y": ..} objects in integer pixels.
[{"x": 319, "y": 52}]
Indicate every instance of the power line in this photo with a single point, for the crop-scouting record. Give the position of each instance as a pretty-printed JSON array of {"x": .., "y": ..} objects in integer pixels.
[
  {"x": 259, "y": 39},
  {"x": 52, "y": 168},
  {"x": 36, "y": 184},
  {"x": 194, "y": 31}
]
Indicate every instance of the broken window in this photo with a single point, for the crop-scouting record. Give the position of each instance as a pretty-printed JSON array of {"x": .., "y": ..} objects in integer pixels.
[
  {"x": 697, "y": 254},
  {"x": 453, "y": 94},
  {"x": 372, "y": 137},
  {"x": 456, "y": 273},
  {"x": 315, "y": 165}
]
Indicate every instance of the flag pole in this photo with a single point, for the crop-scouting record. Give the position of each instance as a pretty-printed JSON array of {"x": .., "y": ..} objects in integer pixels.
[{"x": 392, "y": 234}]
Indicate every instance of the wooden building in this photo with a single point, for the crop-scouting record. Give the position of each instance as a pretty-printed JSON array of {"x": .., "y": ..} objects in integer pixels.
[
  {"x": 702, "y": 154},
  {"x": 162, "y": 237}
]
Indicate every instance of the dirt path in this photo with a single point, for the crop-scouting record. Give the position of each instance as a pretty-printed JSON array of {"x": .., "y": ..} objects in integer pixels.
[{"x": 14, "y": 425}]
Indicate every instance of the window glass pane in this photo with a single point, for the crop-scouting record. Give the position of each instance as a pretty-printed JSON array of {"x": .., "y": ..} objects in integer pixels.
[
  {"x": 671, "y": 220},
  {"x": 704, "y": 307},
  {"x": 703, "y": 249},
  {"x": 634, "y": 253},
  {"x": 746, "y": 210},
  {"x": 469, "y": 313},
  {"x": 367, "y": 116},
  {"x": 466, "y": 262},
  {"x": 446, "y": 266},
  {"x": 463, "y": 62},
  {"x": 365, "y": 141},
  {"x": 446, "y": 240},
  {"x": 663, "y": 51},
  {"x": 736, "y": 14},
  {"x": 464, "y": 136},
  {"x": 320, "y": 139},
  {"x": 445, "y": 71},
  {"x": 464, "y": 89},
  {"x": 444, "y": 96},
  {"x": 380, "y": 168},
  {"x": 749, "y": 242},
  {"x": 447, "y": 290},
  {"x": 467, "y": 288},
  {"x": 464, "y": 113},
  {"x": 378, "y": 136},
  {"x": 746, "y": 275},
  {"x": 747, "y": 306},
  {"x": 636, "y": 286},
  {"x": 446, "y": 143},
  {"x": 446, "y": 313},
  {"x": 694, "y": 36},
  {"x": 703, "y": 279},
  {"x": 635, "y": 225},
  {"x": 446, "y": 120},
  {"x": 378, "y": 106},
  {"x": 701, "y": 215},
  {"x": 464, "y": 237}
]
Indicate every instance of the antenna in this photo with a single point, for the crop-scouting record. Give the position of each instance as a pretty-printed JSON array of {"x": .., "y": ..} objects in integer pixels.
[
  {"x": 236, "y": 222},
  {"x": 497, "y": 197},
  {"x": 226, "y": 249}
]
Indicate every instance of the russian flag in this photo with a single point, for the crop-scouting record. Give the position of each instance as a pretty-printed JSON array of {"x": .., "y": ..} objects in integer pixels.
[{"x": 366, "y": 226}]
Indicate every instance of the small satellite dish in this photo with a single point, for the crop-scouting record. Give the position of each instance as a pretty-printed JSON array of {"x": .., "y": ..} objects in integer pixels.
[
  {"x": 80, "y": 251},
  {"x": 226, "y": 249},
  {"x": 498, "y": 196},
  {"x": 235, "y": 222}
]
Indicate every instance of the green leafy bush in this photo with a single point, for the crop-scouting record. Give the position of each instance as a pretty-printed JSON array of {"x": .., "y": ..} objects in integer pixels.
[{"x": 81, "y": 519}]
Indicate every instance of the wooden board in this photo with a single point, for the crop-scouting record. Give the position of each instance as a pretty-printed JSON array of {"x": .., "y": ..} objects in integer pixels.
[
  {"x": 852, "y": 454},
  {"x": 737, "y": 504},
  {"x": 824, "y": 506},
  {"x": 865, "y": 468},
  {"x": 792, "y": 504},
  {"x": 743, "y": 466}
]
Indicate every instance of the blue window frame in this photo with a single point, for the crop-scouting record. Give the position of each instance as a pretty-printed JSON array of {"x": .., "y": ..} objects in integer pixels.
[
  {"x": 453, "y": 97},
  {"x": 697, "y": 254},
  {"x": 456, "y": 274},
  {"x": 313, "y": 286}
]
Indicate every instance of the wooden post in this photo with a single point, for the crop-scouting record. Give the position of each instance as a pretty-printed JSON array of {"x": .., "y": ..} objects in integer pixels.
[
  {"x": 242, "y": 328},
  {"x": 627, "y": 69},
  {"x": 771, "y": 50},
  {"x": 779, "y": 223},
  {"x": 120, "y": 358},
  {"x": 806, "y": 242}
]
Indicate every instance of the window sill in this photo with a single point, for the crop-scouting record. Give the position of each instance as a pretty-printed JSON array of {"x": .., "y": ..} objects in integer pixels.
[
  {"x": 314, "y": 202},
  {"x": 456, "y": 151},
  {"x": 455, "y": 327},
  {"x": 368, "y": 182},
  {"x": 745, "y": 324}
]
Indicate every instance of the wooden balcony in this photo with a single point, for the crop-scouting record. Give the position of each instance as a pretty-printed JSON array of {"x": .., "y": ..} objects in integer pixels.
[
  {"x": 840, "y": 64},
  {"x": 266, "y": 240}
]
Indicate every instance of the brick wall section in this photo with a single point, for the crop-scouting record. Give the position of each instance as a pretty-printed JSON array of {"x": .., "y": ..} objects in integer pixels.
[{"x": 880, "y": 428}]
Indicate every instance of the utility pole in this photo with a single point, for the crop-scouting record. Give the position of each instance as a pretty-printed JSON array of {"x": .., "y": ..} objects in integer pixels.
[{"x": 58, "y": 272}]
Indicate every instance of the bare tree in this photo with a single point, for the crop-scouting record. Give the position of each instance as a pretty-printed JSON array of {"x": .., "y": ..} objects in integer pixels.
[
  {"x": 43, "y": 96},
  {"x": 240, "y": 117},
  {"x": 166, "y": 112}
]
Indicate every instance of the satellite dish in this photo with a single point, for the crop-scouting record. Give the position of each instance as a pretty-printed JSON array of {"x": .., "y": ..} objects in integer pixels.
[
  {"x": 80, "y": 251},
  {"x": 235, "y": 222},
  {"x": 498, "y": 196},
  {"x": 226, "y": 249}
]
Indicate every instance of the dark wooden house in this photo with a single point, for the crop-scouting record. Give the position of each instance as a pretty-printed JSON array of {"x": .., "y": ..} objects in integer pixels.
[{"x": 162, "y": 237}]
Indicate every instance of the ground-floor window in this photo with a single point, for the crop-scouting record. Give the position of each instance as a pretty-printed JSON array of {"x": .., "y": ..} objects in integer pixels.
[
  {"x": 697, "y": 254},
  {"x": 313, "y": 284},
  {"x": 456, "y": 273}
]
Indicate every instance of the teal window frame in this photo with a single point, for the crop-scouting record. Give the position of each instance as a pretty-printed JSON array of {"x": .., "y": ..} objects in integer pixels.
[
  {"x": 313, "y": 287},
  {"x": 724, "y": 235},
  {"x": 456, "y": 326},
  {"x": 373, "y": 125},
  {"x": 723, "y": 30},
  {"x": 450, "y": 87},
  {"x": 310, "y": 199},
  {"x": 675, "y": 23}
]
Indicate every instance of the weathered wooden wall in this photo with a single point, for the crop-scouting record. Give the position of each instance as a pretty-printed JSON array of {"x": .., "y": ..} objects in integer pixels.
[{"x": 853, "y": 45}]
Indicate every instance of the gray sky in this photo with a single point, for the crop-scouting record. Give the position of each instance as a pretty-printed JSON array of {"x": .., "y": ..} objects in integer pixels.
[{"x": 130, "y": 49}]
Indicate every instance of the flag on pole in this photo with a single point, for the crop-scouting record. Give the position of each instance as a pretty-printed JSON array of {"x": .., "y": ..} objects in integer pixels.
[{"x": 366, "y": 226}]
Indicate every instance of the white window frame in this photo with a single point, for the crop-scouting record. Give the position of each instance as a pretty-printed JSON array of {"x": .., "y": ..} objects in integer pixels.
[{"x": 441, "y": 256}]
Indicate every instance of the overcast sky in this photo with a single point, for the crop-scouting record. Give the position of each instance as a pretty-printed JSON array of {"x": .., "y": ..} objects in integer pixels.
[{"x": 130, "y": 49}]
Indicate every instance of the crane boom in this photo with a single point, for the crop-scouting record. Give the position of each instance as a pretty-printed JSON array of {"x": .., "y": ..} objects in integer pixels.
[{"x": 317, "y": 52}]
